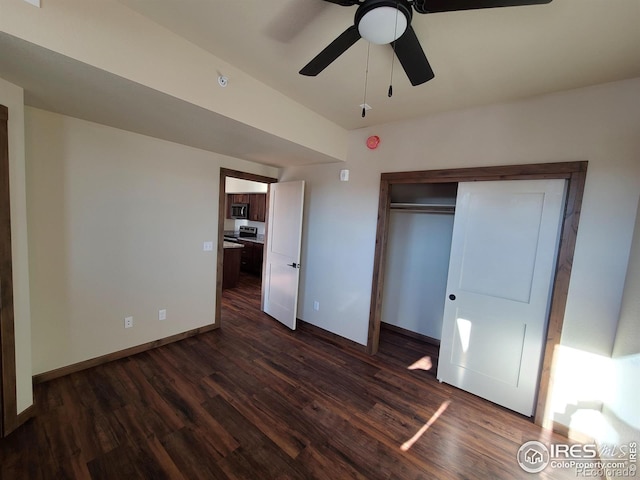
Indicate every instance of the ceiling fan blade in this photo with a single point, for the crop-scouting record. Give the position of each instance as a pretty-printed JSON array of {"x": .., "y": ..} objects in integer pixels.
[
  {"x": 412, "y": 57},
  {"x": 435, "y": 6},
  {"x": 344, "y": 3},
  {"x": 331, "y": 52}
]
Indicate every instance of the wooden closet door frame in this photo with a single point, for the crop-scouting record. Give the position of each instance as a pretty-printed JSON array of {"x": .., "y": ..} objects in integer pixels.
[
  {"x": 8, "y": 400},
  {"x": 573, "y": 172}
]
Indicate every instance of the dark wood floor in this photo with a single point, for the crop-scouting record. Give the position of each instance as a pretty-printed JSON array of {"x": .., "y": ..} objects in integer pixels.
[{"x": 254, "y": 400}]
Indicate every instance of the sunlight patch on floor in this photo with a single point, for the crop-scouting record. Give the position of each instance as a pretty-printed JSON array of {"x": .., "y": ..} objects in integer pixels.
[
  {"x": 423, "y": 364},
  {"x": 409, "y": 443}
]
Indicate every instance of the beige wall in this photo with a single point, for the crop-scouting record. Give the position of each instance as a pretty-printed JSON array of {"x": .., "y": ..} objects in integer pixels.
[
  {"x": 600, "y": 124},
  {"x": 11, "y": 96},
  {"x": 628, "y": 335},
  {"x": 623, "y": 404},
  {"x": 117, "y": 221}
]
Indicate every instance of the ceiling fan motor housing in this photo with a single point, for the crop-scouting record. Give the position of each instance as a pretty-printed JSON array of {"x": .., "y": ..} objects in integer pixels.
[{"x": 367, "y": 9}]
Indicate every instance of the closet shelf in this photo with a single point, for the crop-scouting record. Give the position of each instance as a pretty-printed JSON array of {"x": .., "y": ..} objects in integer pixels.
[{"x": 423, "y": 207}]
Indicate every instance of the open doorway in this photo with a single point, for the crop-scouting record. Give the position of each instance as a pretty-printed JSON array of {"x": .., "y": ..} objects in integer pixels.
[
  {"x": 573, "y": 172},
  {"x": 242, "y": 231}
]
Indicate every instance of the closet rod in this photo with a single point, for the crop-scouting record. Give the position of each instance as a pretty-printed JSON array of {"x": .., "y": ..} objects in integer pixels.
[{"x": 423, "y": 207}]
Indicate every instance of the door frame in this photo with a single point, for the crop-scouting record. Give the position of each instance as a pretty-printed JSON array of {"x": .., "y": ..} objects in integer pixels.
[
  {"x": 222, "y": 214},
  {"x": 575, "y": 174},
  {"x": 8, "y": 400}
]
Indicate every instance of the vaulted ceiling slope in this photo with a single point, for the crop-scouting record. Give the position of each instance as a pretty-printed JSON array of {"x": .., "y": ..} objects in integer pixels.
[{"x": 158, "y": 62}]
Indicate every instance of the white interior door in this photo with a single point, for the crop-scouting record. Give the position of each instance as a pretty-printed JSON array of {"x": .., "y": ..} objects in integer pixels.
[
  {"x": 282, "y": 263},
  {"x": 503, "y": 254}
]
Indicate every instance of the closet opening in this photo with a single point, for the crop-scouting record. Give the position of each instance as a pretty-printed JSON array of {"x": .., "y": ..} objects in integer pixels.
[
  {"x": 417, "y": 261},
  {"x": 394, "y": 185}
]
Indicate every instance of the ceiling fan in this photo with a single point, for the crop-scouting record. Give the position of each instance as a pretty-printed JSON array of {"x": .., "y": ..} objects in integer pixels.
[{"x": 389, "y": 21}]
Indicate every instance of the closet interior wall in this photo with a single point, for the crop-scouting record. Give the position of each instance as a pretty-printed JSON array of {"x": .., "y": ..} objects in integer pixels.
[{"x": 419, "y": 244}]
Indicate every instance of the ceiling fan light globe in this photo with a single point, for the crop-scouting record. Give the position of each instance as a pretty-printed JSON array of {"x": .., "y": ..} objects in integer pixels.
[{"x": 382, "y": 25}]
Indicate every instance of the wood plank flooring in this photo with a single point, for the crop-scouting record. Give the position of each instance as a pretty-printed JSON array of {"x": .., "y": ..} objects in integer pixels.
[{"x": 254, "y": 400}]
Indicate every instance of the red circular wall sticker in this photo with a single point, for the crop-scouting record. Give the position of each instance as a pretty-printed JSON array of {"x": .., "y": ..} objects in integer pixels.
[{"x": 373, "y": 141}]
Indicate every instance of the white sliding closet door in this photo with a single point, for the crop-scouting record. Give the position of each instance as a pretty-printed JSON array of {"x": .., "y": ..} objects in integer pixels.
[{"x": 503, "y": 253}]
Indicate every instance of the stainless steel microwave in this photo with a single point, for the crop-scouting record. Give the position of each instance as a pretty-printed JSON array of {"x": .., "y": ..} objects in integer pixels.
[{"x": 239, "y": 210}]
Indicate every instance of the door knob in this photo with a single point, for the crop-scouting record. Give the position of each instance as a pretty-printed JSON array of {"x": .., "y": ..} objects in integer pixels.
[
  {"x": 294, "y": 265},
  {"x": 452, "y": 297}
]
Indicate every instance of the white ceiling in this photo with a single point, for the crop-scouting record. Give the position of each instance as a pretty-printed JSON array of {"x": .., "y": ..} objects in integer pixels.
[{"x": 479, "y": 56}]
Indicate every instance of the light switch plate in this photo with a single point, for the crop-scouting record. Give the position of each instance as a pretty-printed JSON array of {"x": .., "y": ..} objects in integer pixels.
[
  {"x": 162, "y": 314},
  {"x": 207, "y": 247}
]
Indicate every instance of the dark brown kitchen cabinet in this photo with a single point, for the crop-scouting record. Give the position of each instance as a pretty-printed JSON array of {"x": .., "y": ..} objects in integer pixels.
[
  {"x": 240, "y": 198},
  {"x": 258, "y": 253},
  {"x": 257, "y": 207},
  {"x": 257, "y": 204},
  {"x": 251, "y": 257},
  {"x": 231, "y": 267}
]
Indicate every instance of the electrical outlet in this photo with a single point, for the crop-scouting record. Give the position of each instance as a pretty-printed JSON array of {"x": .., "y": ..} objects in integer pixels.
[
  {"x": 207, "y": 247},
  {"x": 316, "y": 305},
  {"x": 162, "y": 314},
  {"x": 128, "y": 322}
]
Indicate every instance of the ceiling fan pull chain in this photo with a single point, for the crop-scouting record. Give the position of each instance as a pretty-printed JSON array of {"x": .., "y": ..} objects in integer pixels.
[
  {"x": 393, "y": 57},
  {"x": 366, "y": 77}
]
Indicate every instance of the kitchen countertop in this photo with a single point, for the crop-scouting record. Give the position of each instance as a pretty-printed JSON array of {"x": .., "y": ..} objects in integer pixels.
[
  {"x": 231, "y": 245},
  {"x": 259, "y": 239}
]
